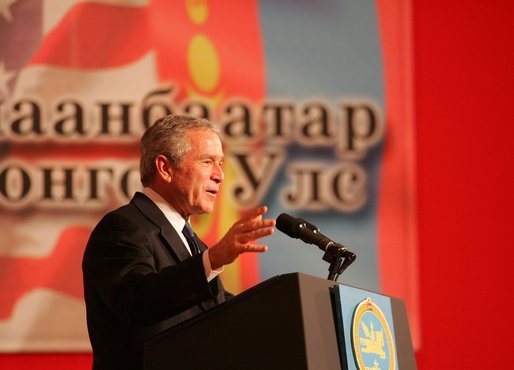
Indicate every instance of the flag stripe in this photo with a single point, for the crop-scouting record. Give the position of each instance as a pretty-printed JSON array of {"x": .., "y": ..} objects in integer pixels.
[{"x": 96, "y": 36}]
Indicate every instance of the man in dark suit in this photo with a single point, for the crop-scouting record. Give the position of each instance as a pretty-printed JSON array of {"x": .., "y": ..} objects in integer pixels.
[{"x": 144, "y": 269}]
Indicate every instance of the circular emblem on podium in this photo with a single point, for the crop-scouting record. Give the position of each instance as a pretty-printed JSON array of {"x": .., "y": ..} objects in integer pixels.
[{"x": 372, "y": 342}]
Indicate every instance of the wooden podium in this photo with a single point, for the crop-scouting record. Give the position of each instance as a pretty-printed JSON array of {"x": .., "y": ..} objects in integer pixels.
[{"x": 286, "y": 322}]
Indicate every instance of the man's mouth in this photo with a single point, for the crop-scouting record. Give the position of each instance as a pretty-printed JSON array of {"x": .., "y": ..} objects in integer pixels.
[{"x": 213, "y": 192}]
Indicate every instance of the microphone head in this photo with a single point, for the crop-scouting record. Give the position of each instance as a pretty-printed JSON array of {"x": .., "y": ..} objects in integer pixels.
[
  {"x": 310, "y": 226},
  {"x": 289, "y": 225}
]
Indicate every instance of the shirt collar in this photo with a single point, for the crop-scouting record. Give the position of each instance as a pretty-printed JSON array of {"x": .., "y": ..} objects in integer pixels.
[{"x": 171, "y": 214}]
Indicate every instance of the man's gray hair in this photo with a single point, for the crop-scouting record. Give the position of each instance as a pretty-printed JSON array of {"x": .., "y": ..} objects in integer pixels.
[{"x": 168, "y": 136}]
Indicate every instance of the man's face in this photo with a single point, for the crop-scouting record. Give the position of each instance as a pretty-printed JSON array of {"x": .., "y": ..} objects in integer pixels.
[{"x": 196, "y": 182}]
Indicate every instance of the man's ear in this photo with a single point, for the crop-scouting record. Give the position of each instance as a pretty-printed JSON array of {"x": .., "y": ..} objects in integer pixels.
[{"x": 164, "y": 170}]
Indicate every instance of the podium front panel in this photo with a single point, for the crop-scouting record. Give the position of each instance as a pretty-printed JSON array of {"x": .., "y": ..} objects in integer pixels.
[{"x": 284, "y": 323}]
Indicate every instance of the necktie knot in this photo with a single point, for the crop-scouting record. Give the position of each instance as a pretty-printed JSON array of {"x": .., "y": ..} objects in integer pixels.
[
  {"x": 188, "y": 231},
  {"x": 190, "y": 235}
]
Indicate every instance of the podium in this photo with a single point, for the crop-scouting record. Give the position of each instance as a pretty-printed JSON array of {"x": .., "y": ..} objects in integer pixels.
[{"x": 290, "y": 321}]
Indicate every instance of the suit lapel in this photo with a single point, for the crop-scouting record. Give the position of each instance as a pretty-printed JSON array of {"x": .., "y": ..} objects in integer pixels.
[
  {"x": 170, "y": 237},
  {"x": 200, "y": 243},
  {"x": 168, "y": 234}
]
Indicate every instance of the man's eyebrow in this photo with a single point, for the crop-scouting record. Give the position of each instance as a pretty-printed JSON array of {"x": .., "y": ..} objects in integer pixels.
[{"x": 212, "y": 156}]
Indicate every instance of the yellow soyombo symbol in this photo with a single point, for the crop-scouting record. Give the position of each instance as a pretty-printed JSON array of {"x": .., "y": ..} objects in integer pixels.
[
  {"x": 372, "y": 341},
  {"x": 203, "y": 63},
  {"x": 204, "y": 72}
]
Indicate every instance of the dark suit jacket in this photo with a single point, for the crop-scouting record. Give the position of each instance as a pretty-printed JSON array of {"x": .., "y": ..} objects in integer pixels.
[{"x": 139, "y": 279}]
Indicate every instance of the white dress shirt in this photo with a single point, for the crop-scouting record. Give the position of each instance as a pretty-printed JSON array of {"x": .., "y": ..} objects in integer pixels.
[{"x": 178, "y": 222}]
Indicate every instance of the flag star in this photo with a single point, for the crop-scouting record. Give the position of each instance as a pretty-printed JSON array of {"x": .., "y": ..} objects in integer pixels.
[
  {"x": 4, "y": 9},
  {"x": 5, "y": 76}
]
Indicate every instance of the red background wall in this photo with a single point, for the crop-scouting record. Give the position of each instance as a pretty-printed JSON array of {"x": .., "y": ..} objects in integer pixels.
[{"x": 463, "y": 60}]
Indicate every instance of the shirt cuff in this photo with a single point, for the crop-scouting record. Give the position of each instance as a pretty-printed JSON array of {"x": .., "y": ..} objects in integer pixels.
[{"x": 209, "y": 272}]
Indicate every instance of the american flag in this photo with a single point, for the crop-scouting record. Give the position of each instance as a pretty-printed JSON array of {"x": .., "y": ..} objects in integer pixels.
[{"x": 90, "y": 51}]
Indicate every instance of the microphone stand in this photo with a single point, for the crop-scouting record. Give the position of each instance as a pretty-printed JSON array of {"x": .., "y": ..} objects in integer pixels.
[{"x": 339, "y": 258}]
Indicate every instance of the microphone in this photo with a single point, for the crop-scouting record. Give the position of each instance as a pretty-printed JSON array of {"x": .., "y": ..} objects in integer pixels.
[
  {"x": 303, "y": 230},
  {"x": 336, "y": 254}
]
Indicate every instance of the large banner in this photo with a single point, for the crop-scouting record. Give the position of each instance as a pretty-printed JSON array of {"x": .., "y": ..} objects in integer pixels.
[{"x": 312, "y": 101}]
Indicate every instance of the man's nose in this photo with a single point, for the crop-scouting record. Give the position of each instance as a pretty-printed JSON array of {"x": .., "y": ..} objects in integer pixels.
[{"x": 217, "y": 172}]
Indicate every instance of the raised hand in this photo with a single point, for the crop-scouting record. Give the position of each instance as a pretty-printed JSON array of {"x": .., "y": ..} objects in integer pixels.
[{"x": 242, "y": 237}]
